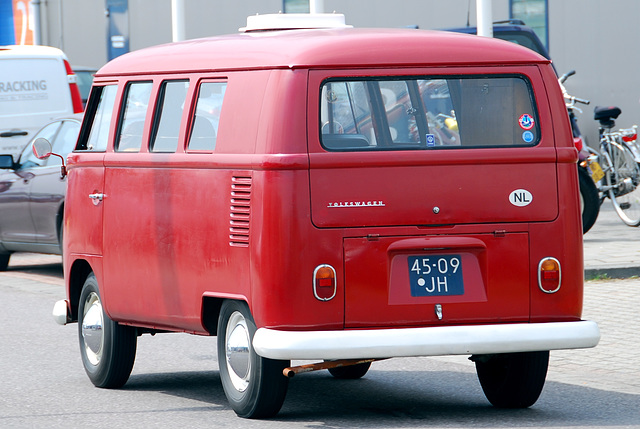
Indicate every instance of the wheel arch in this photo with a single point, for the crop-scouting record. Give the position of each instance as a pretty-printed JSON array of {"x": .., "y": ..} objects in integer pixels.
[
  {"x": 210, "y": 313},
  {"x": 59, "y": 223},
  {"x": 78, "y": 273},
  {"x": 211, "y": 305}
]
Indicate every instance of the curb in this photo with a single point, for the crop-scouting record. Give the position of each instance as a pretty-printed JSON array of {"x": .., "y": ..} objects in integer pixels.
[{"x": 611, "y": 273}]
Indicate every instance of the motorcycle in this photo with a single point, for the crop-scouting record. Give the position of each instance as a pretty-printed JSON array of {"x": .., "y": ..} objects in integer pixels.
[{"x": 589, "y": 171}]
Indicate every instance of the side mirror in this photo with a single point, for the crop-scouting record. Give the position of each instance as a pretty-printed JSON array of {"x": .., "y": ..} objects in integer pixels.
[{"x": 42, "y": 150}]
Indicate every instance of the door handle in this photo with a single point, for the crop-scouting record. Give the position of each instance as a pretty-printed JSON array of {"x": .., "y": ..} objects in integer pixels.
[
  {"x": 96, "y": 197},
  {"x": 13, "y": 133}
]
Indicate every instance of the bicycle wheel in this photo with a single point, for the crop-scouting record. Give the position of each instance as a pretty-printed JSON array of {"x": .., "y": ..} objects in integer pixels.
[{"x": 623, "y": 180}]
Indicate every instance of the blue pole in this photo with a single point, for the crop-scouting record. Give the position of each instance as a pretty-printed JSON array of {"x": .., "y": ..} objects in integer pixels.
[{"x": 7, "y": 30}]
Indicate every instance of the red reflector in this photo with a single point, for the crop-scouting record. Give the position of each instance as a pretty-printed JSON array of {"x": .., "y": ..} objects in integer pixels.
[
  {"x": 577, "y": 141},
  {"x": 630, "y": 138},
  {"x": 324, "y": 292},
  {"x": 325, "y": 282}
]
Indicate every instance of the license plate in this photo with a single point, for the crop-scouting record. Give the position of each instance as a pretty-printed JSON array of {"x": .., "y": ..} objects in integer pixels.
[
  {"x": 596, "y": 171},
  {"x": 436, "y": 275}
]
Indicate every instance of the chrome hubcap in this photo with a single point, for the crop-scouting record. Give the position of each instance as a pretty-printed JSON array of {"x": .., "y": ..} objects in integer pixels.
[
  {"x": 92, "y": 332},
  {"x": 237, "y": 345}
]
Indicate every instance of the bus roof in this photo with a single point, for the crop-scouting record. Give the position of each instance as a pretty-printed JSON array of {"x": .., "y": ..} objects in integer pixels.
[{"x": 320, "y": 48}]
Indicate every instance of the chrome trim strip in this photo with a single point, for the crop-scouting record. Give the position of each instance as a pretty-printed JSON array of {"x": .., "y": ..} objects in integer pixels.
[{"x": 431, "y": 341}]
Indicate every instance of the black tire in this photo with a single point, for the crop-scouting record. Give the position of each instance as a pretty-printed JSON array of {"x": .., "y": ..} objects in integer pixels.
[
  {"x": 108, "y": 349},
  {"x": 4, "y": 261},
  {"x": 589, "y": 199},
  {"x": 513, "y": 380},
  {"x": 254, "y": 386},
  {"x": 351, "y": 372}
]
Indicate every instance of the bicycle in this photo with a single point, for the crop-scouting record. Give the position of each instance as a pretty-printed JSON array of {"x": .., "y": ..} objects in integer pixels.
[
  {"x": 589, "y": 194},
  {"x": 619, "y": 158}
]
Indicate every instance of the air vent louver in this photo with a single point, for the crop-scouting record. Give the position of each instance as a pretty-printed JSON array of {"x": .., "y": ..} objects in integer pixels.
[{"x": 240, "y": 211}]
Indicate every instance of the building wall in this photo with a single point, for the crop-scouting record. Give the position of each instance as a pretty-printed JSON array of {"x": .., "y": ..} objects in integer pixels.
[
  {"x": 78, "y": 27},
  {"x": 599, "y": 40},
  {"x": 401, "y": 13},
  {"x": 594, "y": 37},
  {"x": 84, "y": 23}
]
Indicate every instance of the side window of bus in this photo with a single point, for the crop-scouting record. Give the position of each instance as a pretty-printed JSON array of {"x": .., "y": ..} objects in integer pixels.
[
  {"x": 132, "y": 121},
  {"x": 95, "y": 133},
  {"x": 168, "y": 116},
  {"x": 204, "y": 129}
]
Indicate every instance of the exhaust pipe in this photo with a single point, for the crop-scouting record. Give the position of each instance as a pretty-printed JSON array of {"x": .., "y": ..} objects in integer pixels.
[{"x": 293, "y": 370}]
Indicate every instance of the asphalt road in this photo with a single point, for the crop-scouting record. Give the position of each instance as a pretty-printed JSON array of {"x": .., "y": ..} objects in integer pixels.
[{"x": 175, "y": 381}]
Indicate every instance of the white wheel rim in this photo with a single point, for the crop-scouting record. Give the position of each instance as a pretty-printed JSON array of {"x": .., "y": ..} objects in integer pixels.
[
  {"x": 237, "y": 355},
  {"x": 92, "y": 329},
  {"x": 628, "y": 203}
]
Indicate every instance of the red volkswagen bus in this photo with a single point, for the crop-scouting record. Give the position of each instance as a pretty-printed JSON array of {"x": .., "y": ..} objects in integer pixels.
[{"x": 331, "y": 194}]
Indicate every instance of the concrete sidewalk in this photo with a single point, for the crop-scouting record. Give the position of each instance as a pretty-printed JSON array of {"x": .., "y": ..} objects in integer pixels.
[{"x": 611, "y": 248}]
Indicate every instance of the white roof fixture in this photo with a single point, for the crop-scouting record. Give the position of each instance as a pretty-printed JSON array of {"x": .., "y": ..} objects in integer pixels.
[
  {"x": 30, "y": 51},
  {"x": 290, "y": 21}
]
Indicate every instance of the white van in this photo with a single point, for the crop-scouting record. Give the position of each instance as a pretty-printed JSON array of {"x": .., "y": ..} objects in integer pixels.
[{"x": 37, "y": 85}]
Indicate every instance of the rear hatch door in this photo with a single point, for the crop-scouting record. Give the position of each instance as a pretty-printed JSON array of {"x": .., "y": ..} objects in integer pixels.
[
  {"x": 424, "y": 150},
  {"x": 469, "y": 155}
]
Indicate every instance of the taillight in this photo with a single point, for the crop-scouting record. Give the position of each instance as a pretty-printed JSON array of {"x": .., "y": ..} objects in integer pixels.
[
  {"x": 324, "y": 282},
  {"x": 549, "y": 275},
  {"x": 76, "y": 99},
  {"x": 629, "y": 137},
  {"x": 577, "y": 141}
]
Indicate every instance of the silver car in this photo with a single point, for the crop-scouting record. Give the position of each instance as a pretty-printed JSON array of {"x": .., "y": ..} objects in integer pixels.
[{"x": 32, "y": 194}]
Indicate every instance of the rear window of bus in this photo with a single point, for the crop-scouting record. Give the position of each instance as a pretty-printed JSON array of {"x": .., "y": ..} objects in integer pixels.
[{"x": 427, "y": 113}]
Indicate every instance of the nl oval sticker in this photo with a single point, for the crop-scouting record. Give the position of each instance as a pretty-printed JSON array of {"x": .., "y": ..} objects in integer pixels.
[{"x": 520, "y": 197}]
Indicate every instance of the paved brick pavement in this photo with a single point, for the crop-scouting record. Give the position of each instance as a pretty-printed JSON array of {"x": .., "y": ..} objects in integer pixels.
[
  {"x": 613, "y": 364},
  {"x": 611, "y": 248}
]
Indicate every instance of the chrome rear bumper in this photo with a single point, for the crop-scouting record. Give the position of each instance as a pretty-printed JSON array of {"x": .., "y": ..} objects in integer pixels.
[{"x": 431, "y": 341}]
